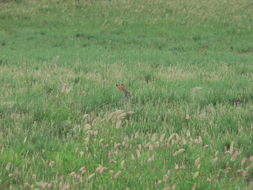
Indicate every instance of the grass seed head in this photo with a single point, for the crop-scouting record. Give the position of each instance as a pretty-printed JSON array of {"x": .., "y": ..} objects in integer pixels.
[
  {"x": 81, "y": 153},
  {"x": 85, "y": 116},
  {"x": 101, "y": 169},
  {"x": 42, "y": 184},
  {"x": 122, "y": 164},
  {"x": 33, "y": 176},
  {"x": 117, "y": 145},
  {"x": 215, "y": 160},
  {"x": 171, "y": 137},
  {"x": 235, "y": 155},
  {"x": 112, "y": 162},
  {"x": 244, "y": 160},
  {"x": 12, "y": 175},
  {"x": 194, "y": 187},
  {"x": 73, "y": 174},
  {"x": 231, "y": 148},
  {"x": 152, "y": 158},
  {"x": 8, "y": 166},
  {"x": 249, "y": 167},
  {"x": 179, "y": 152},
  {"x": 51, "y": 163},
  {"x": 199, "y": 140},
  {"x": 119, "y": 124},
  {"x": 117, "y": 175},
  {"x": 87, "y": 127},
  {"x": 244, "y": 173},
  {"x": 83, "y": 170},
  {"x": 91, "y": 176},
  {"x": 64, "y": 186},
  {"x": 196, "y": 174},
  {"x": 154, "y": 137},
  {"x": 197, "y": 162},
  {"x": 138, "y": 153},
  {"x": 162, "y": 137}
]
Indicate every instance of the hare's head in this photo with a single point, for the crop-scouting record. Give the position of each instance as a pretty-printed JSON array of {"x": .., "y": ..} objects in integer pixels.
[{"x": 121, "y": 87}]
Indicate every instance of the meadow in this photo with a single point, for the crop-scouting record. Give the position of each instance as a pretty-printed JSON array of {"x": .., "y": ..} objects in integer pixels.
[{"x": 65, "y": 125}]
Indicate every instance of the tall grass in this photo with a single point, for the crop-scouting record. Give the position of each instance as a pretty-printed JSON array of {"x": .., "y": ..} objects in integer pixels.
[{"x": 188, "y": 66}]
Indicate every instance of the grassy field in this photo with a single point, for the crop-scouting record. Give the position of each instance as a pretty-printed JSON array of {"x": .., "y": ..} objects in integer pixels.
[{"x": 65, "y": 125}]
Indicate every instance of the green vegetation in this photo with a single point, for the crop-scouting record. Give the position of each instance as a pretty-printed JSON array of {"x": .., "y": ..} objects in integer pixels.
[{"x": 65, "y": 125}]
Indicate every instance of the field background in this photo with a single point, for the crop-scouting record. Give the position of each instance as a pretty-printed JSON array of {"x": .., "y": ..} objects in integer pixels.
[{"x": 188, "y": 64}]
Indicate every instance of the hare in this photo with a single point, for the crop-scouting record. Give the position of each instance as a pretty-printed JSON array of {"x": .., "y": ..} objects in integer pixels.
[{"x": 122, "y": 88}]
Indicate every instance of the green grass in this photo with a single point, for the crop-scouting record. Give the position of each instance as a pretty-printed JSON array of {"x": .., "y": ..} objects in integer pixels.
[{"x": 188, "y": 65}]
